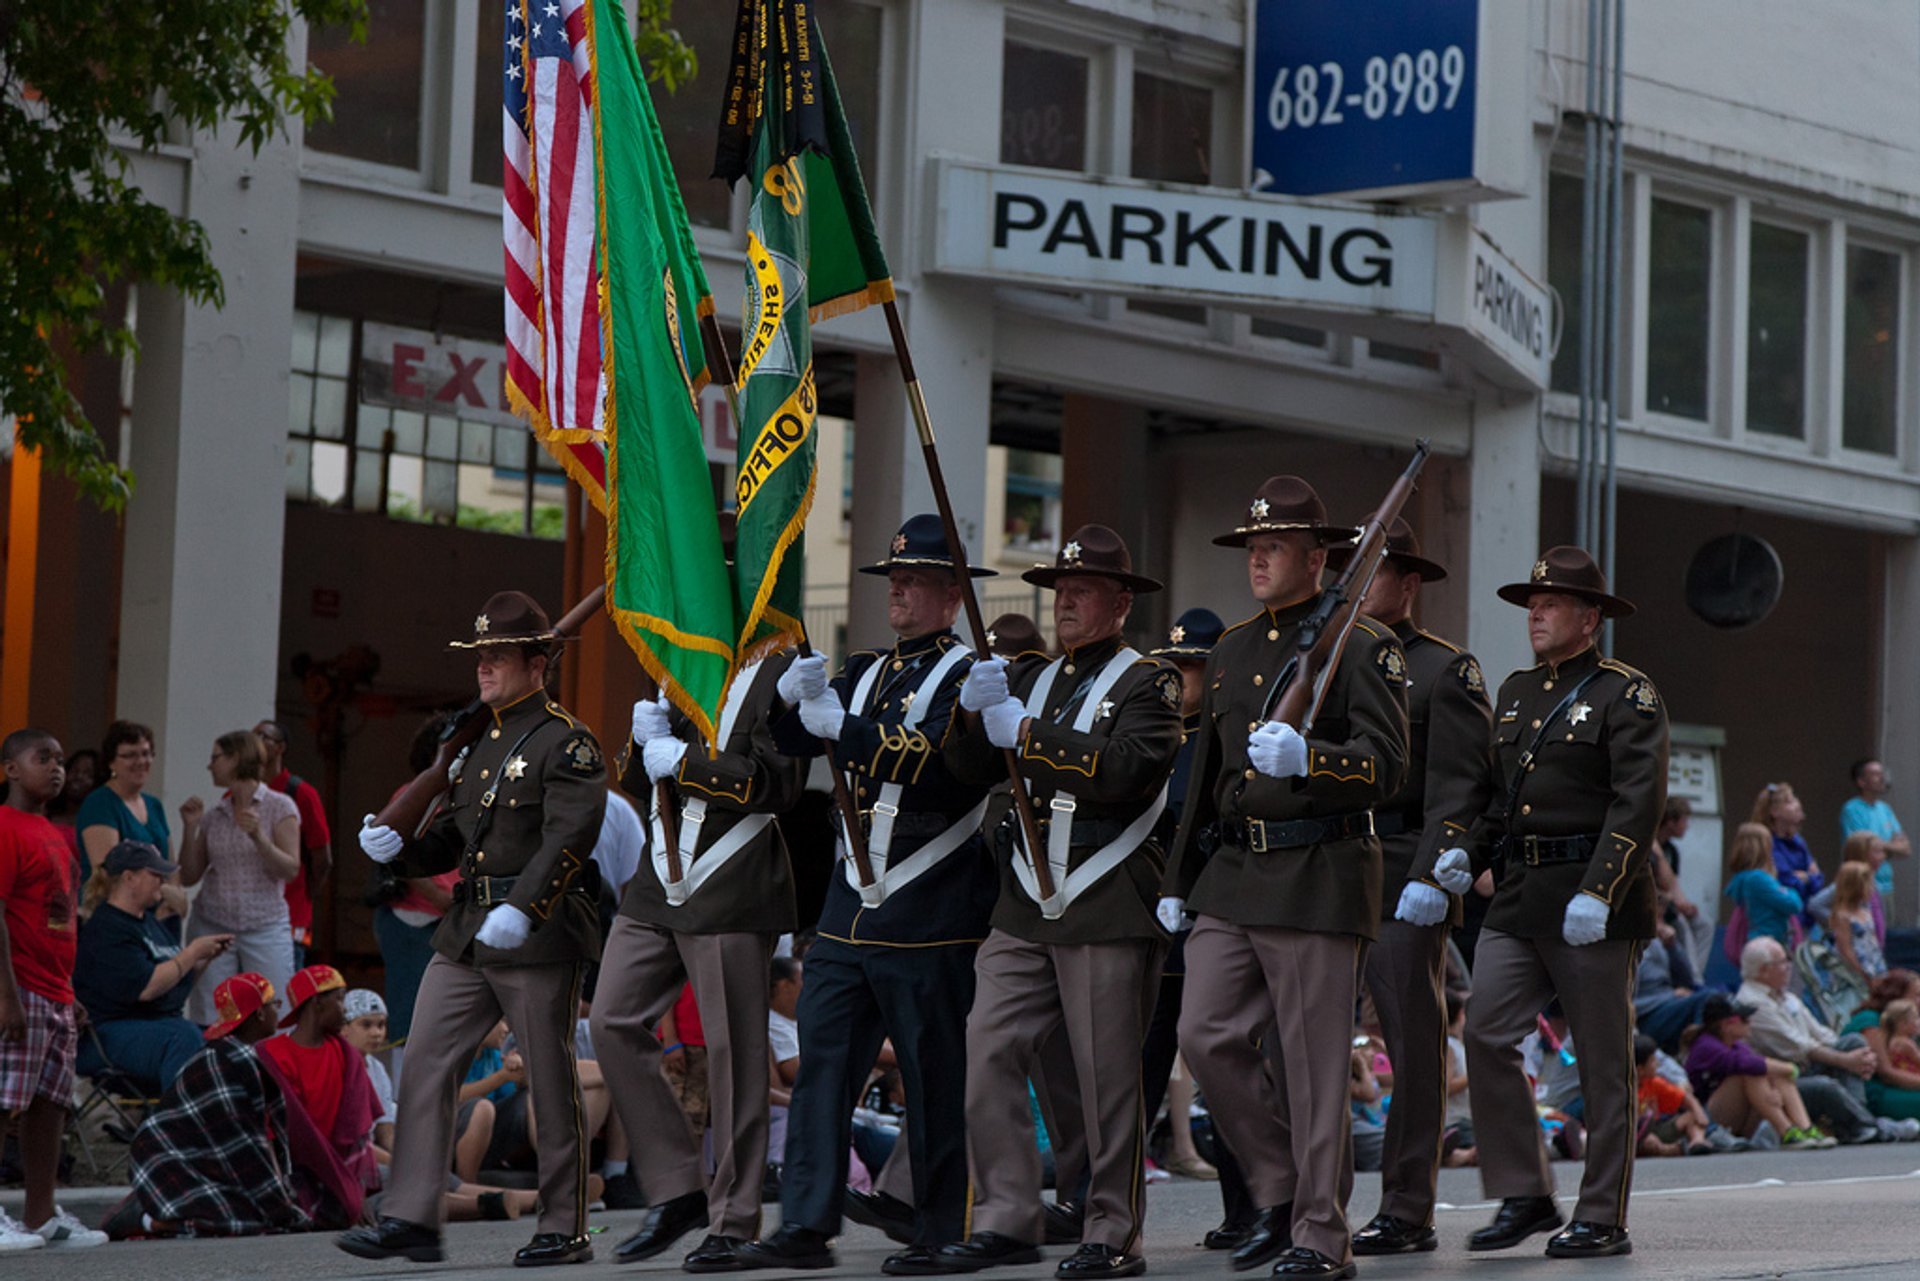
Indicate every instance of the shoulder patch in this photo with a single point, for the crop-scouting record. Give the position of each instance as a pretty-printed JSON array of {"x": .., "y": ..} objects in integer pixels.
[
  {"x": 1641, "y": 697},
  {"x": 1468, "y": 670},
  {"x": 1170, "y": 689},
  {"x": 1391, "y": 660},
  {"x": 581, "y": 756}
]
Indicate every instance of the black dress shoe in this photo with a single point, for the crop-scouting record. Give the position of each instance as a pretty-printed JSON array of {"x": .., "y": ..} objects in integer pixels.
[
  {"x": 916, "y": 1261},
  {"x": 1583, "y": 1240},
  {"x": 984, "y": 1250},
  {"x": 1063, "y": 1221},
  {"x": 549, "y": 1248},
  {"x": 718, "y": 1254},
  {"x": 393, "y": 1239},
  {"x": 1270, "y": 1232},
  {"x": 665, "y": 1223},
  {"x": 623, "y": 1193},
  {"x": 1228, "y": 1236},
  {"x": 888, "y": 1214},
  {"x": 1519, "y": 1218},
  {"x": 1385, "y": 1234},
  {"x": 1093, "y": 1260},
  {"x": 791, "y": 1247},
  {"x": 1302, "y": 1262}
]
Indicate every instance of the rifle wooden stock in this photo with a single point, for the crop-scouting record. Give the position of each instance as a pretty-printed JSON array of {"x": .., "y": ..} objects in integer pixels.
[{"x": 408, "y": 812}]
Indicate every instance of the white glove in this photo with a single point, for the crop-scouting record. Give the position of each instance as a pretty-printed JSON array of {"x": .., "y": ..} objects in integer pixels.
[
  {"x": 381, "y": 844},
  {"x": 650, "y": 719},
  {"x": 1003, "y": 721},
  {"x": 1277, "y": 750},
  {"x": 823, "y": 716},
  {"x": 1586, "y": 920},
  {"x": 1172, "y": 913},
  {"x": 1454, "y": 871},
  {"x": 661, "y": 755},
  {"x": 986, "y": 684},
  {"x": 1421, "y": 905},
  {"x": 804, "y": 680},
  {"x": 505, "y": 928}
]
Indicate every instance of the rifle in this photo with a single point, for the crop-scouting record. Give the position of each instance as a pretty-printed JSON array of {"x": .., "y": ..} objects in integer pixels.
[
  {"x": 1322, "y": 637},
  {"x": 409, "y": 812}
]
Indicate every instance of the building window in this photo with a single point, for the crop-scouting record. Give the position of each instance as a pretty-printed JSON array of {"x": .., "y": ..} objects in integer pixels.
[
  {"x": 1872, "y": 378},
  {"x": 1043, "y": 108},
  {"x": 489, "y": 109},
  {"x": 1300, "y": 335},
  {"x": 1679, "y": 309},
  {"x": 1564, "y": 192},
  {"x": 376, "y": 99},
  {"x": 1172, "y": 130},
  {"x": 1410, "y": 356},
  {"x": 1033, "y": 501},
  {"x": 1777, "y": 299}
]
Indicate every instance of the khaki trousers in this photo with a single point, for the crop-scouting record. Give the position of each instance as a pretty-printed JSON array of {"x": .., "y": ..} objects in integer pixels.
[
  {"x": 457, "y": 1006},
  {"x": 1103, "y": 994},
  {"x": 1513, "y": 980},
  {"x": 641, "y": 972},
  {"x": 1292, "y": 1133},
  {"x": 1405, "y": 972}
]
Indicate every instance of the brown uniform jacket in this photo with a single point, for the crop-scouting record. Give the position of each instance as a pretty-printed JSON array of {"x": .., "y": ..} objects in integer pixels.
[
  {"x": 547, "y": 780},
  {"x": 1449, "y": 762},
  {"x": 1114, "y": 771},
  {"x": 1601, "y": 772},
  {"x": 1356, "y": 758},
  {"x": 753, "y": 893}
]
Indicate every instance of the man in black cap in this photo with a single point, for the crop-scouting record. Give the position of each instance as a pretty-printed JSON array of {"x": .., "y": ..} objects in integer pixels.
[
  {"x": 519, "y": 824},
  {"x": 894, "y": 959},
  {"x": 1580, "y": 778},
  {"x": 1287, "y": 902},
  {"x": 1095, "y": 732},
  {"x": 1447, "y": 787}
]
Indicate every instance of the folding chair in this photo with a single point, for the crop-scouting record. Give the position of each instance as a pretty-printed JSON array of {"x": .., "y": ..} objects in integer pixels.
[
  {"x": 111, "y": 1100},
  {"x": 1834, "y": 990}
]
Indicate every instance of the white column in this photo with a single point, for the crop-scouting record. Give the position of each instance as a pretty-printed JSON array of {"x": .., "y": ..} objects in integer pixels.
[
  {"x": 200, "y": 591},
  {"x": 1899, "y": 709},
  {"x": 1503, "y": 530}
]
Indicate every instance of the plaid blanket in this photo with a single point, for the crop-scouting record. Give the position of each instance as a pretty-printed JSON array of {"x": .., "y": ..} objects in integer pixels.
[{"x": 214, "y": 1157}]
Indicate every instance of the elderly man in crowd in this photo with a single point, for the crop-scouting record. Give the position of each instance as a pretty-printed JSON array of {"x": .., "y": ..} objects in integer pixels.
[{"x": 1833, "y": 1069}]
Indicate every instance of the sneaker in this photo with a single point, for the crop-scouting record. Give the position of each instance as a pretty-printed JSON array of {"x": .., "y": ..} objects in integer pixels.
[
  {"x": 65, "y": 1232},
  {"x": 1821, "y": 1139},
  {"x": 1154, "y": 1174},
  {"x": 1797, "y": 1139},
  {"x": 1723, "y": 1139},
  {"x": 15, "y": 1236},
  {"x": 1765, "y": 1138},
  {"x": 1907, "y": 1128}
]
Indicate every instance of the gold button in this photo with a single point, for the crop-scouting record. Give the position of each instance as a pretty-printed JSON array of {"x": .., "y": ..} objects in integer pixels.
[
  {"x": 1526, "y": 809},
  {"x": 1343, "y": 760},
  {"x": 1069, "y": 669},
  {"x": 897, "y": 664},
  {"x": 494, "y": 734},
  {"x": 479, "y": 856},
  {"x": 1084, "y": 756},
  {"x": 1569, "y": 736},
  {"x": 1273, "y": 633},
  {"x": 512, "y": 801},
  {"x": 1252, "y": 726},
  {"x": 483, "y": 773},
  {"x": 1258, "y": 679},
  {"x": 1547, "y": 685},
  {"x": 1529, "y": 767},
  {"x": 1536, "y": 723},
  {"x": 1251, "y": 773}
]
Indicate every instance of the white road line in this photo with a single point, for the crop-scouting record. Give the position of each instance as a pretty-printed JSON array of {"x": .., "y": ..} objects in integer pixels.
[{"x": 1717, "y": 1187}]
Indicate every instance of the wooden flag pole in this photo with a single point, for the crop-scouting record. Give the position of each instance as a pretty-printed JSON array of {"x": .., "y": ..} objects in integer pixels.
[
  {"x": 722, "y": 372},
  {"x": 976, "y": 622}
]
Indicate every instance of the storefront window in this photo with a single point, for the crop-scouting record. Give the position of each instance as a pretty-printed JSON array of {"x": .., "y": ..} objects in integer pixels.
[
  {"x": 1033, "y": 500},
  {"x": 1873, "y": 350},
  {"x": 1564, "y": 192},
  {"x": 1777, "y": 330},
  {"x": 376, "y": 85},
  {"x": 1679, "y": 309},
  {"x": 1043, "y": 108}
]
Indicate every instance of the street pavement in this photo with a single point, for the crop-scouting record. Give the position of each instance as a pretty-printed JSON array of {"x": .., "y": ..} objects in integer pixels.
[{"x": 1746, "y": 1215}]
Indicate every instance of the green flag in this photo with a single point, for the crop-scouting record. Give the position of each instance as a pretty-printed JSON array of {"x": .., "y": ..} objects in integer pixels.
[
  {"x": 668, "y": 590},
  {"x": 811, "y": 252}
]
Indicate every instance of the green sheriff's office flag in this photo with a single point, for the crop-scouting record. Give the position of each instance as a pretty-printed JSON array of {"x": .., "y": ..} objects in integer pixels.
[
  {"x": 811, "y": 252},
  {"x": 668, "y": 589}
]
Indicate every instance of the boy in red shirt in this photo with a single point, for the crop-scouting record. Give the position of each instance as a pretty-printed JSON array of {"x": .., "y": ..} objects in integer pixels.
[
  {"x": 39, "y": 883},
  {"x": 1668, "y": 1113},
  {"x": 328, "y": 1076}
]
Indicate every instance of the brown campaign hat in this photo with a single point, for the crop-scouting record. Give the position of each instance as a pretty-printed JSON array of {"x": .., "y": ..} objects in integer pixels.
[
  {"x": 1094, "y": 551},
  {"x": 509, "y": 618},
  {"x": 1283, "y": 503},
  {"x": 1403, "y": 551},
  {"x": 1571, "y": 571},
  {"x": 1011, "y": 635},
  {"x": 922, "y": 541}
]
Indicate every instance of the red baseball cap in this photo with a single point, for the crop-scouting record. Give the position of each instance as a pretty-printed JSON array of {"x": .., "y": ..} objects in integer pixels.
[
  {"x": 236, "y": 1000},
  {"x": 306, "y": 985}
]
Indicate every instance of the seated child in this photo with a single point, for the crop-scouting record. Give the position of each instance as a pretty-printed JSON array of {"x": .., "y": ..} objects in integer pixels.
[{"x": 1668, "y": 1113}]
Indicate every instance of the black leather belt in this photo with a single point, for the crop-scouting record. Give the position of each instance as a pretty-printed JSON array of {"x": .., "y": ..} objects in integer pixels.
[
  {"x": 1260, "y": 836},
  {"x": 484, "y": 890},
  {"x": 1543, "y": 851},
  {"x": 1395, "y": 822}
]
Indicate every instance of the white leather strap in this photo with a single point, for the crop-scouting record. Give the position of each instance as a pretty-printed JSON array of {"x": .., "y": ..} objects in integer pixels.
[{"x": 697, "y": 871}]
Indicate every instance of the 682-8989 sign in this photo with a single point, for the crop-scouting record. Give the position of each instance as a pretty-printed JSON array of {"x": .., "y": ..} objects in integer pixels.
[{"x": 1363, "y": 95}]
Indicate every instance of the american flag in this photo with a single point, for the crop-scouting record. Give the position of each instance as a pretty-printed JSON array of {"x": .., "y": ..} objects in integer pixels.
[{"x": 554, "y": 371}]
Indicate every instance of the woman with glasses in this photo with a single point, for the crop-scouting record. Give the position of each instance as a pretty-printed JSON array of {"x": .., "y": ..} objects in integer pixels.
[{"x": 120, "y": 810}]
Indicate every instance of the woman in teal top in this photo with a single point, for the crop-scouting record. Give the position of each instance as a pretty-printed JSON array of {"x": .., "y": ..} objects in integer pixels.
[
  {"x": 118, "y": 810},
  {"x": 1891, "y": 1091},
  {"x": 1770, "y": 905}
]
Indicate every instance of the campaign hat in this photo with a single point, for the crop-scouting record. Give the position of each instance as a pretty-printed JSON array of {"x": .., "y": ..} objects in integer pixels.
[
  {"x": 1192, "y": 636},
  {"x": 509, "y": 618},
  {"x": 1285, "y": 503},
  {"x": 1571, "y": 572},
  {"x": 1403, "y": 553},
  {"x": 1094, "y": 551},
  {"x": 922, "y": 541}
]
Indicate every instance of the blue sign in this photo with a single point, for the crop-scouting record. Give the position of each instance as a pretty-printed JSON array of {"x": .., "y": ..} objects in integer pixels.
[{"x": 1361, "y": 95}]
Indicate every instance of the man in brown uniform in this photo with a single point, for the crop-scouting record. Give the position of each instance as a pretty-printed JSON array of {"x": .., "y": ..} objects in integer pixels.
[
  {"x": 1580, "y": 774},
  {"x": 1291, "y": 895},
  {"x": 1096, "y": 731},
  {"x": 1446, "y": 789},
  {"x": 714, "y": 925},
  {"x": 519, "y": 825}
]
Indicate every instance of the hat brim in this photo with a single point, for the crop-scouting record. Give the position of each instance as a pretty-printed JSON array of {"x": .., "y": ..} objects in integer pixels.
[
  {"x": 222, "y": 1028},
  {"x": 925, "y": 562},
  {"x": 489, "y": 642},
  {"x": 1328, "y": 534},
  {"x": 1430, "y": 571},
  {"x": 1182, "y": 651},
  {"x": 1610, "y": 606},
  {"x": 1050, "y": 575}
]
